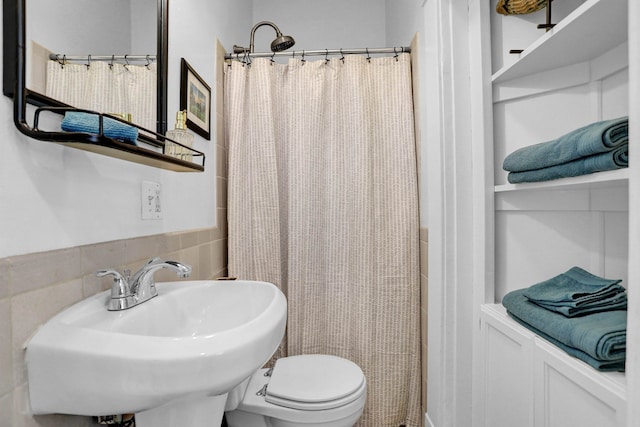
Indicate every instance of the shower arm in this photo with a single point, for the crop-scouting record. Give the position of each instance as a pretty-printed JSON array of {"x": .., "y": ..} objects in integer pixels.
[
  {"x": 240, "y": 49},
  {"x": 261, "y": 24}
]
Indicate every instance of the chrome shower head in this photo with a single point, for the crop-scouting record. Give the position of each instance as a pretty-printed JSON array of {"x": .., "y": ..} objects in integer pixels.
[
  {"x": 278, "y": 45},
  {"x": 282, "y": 43}
]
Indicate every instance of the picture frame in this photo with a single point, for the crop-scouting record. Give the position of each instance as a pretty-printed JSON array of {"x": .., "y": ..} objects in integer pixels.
[{"x": 195, "y": 98}]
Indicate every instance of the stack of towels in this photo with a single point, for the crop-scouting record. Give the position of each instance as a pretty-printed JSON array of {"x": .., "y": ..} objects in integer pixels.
[
  {"x": 583, "y": 314},
  {"x": 593, "y": 148}
]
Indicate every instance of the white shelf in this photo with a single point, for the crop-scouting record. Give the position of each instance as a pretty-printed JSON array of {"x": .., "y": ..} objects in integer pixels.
[
  {"x": 614, "y": 178},
  {"x": 592, "y": 29},
  {"x": 615, "y": 380}
]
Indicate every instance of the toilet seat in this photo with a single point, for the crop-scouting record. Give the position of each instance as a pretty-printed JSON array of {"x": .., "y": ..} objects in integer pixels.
[
  {"x": 302, "y": 390},
  {"x": 314, "y": 382}
]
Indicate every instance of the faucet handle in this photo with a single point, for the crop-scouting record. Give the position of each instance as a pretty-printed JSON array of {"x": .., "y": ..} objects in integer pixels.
[{"x": 120, "y": 286}]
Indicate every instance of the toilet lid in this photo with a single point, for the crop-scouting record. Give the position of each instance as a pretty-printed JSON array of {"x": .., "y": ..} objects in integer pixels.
[{"x": 314, "y": 382}]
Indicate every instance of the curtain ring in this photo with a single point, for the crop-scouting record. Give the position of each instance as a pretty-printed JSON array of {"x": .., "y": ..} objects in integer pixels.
[
  {"x": 303, "y": 60},
  {"x": 368, "y": 56},
  {"x": 113, "y": 58},
  {"x": 326, "y": 56},
  {"x": 88, "y": 64},
  {"x": 126, "y": 60},
  {"x": 395, "y": 53},
  {"x": 342, "y": 58},
  {"x": 59, "y": 61},
  {"x": 246, "y": 59},
  {"x": 273, "y": 55},
  {"x": 148, "y": 62}
]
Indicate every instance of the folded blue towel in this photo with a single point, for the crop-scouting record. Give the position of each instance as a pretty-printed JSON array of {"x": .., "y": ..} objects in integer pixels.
[
  {"x": 573, "y": 288},
  {"x": 75, "y": 121},
  {"x": 615, "y": 302},
  {"x": 598, "y": 339},
  {"x": 594, "y": 138},
  {"x": 616, "y": 159}
]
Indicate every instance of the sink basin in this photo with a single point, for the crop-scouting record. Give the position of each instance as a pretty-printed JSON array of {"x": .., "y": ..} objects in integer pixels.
[{"x": 195, "y": 339}]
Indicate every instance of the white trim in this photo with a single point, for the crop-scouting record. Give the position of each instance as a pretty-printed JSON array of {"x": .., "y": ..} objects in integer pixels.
[
  {"x": 449, "y": 178},
  {"x": 427, "y": 421},
  {"x": 481, "y": 125},
  {"x": 633, "y": 319}
]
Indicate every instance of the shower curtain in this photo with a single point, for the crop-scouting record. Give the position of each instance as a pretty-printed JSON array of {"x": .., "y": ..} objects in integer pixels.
[
  {"x": 106, "y": 88},
  {"x": 323, "y": 203}
]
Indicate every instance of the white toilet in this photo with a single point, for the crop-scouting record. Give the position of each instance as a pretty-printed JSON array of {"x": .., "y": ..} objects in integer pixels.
[{"x": 309, "y": 390}]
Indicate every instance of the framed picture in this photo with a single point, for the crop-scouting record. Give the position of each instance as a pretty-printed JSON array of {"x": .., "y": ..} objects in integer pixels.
[{"x": 195, "y": 97}]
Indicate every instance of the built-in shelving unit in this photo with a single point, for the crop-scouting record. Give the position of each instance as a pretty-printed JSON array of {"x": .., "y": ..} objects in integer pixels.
[
  {"x": 543, "y": 226},
  {"x": 604, "y": 179},
  {"x": 591, "y": 30}
]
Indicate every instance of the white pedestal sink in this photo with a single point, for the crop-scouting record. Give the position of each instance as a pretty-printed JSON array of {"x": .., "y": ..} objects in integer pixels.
[{"x": 170, "y": 360}]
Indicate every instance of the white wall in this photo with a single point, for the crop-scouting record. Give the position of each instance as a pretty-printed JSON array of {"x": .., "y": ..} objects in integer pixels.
[
  {"x": 54, "y": 197},
  {"x": 143, "y": 40},
  {"x": 404, "y": 18},
  {"x": 80, "y": 21},
  {"x": 316, "y": 25}
]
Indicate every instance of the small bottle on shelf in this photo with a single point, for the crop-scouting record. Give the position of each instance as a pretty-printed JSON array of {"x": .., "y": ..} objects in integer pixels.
[{"x": 183, "y": 136}]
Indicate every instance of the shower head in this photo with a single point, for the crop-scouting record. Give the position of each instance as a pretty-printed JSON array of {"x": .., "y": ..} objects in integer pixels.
[
  {"x": 282, "y": 43},
  {"x": 278, "y": 45}
]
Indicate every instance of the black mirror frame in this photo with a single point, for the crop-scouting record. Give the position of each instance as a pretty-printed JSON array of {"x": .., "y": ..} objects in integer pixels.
[
  {"x": 14, "y": 61},
  {"x": 14, "y": 71}
]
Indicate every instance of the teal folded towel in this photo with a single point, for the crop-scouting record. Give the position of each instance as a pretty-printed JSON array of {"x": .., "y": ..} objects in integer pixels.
[
  {"x": 612, "y": 160},
  {"x": 595, "y": 138},
  {"x": 615, "y": 302},
  {"x": 598, "y": 339},
  {"x": 75, "y": 121},
  {"x": 578, "y": 292}
]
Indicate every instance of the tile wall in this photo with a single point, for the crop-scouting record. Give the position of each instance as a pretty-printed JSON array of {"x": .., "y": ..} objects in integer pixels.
[{"x": 35, "y": 287}]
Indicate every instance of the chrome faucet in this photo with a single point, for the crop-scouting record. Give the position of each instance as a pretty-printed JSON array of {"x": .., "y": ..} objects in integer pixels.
[{"x": 127, "y": 292}]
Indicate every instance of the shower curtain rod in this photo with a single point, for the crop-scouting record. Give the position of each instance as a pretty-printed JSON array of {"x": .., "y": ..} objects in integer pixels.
[
  {"x": 88, "y": 58},
  {"x": 325, "y": 52}
]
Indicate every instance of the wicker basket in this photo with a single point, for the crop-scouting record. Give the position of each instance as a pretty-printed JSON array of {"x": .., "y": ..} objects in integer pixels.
[{"x": 520, "y": 7}]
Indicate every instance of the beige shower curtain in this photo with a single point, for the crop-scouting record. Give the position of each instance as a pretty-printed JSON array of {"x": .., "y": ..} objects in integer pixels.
[
  {"x": 107, "y": 88},
  {"x": 323, "y": 203}
]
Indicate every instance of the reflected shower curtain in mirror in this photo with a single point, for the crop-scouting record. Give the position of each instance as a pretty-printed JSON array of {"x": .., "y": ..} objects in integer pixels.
[
  {"x": 322, "y": 201},
  {"x": 107, "y": 89}
]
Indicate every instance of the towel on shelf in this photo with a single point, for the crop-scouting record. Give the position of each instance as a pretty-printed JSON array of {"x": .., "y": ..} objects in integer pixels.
[
  {"x": 614, "y": 302},
  {"x": 595, "y": 138},
  {"x": 611, "y": 160},
  {"x": 598, "y": 339},
  {"x": 75, "y": 121},
  {"x": 577, "y": 292}
]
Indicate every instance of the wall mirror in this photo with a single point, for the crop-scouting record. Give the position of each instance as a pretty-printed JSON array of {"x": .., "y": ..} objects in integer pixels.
[
  {"x": 89, "y": 29},
  {"x": 101, "y": 35}
]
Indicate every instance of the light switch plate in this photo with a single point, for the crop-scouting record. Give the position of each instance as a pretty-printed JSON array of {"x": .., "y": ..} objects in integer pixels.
[{"x": 150, "y": 200}]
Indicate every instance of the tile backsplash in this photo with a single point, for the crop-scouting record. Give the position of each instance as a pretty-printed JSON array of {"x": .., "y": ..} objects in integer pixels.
[{"x": 36, "y": 286}]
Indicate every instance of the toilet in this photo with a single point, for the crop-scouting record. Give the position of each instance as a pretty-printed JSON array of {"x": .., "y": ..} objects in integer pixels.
[{"x": 311, "y": 390}]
